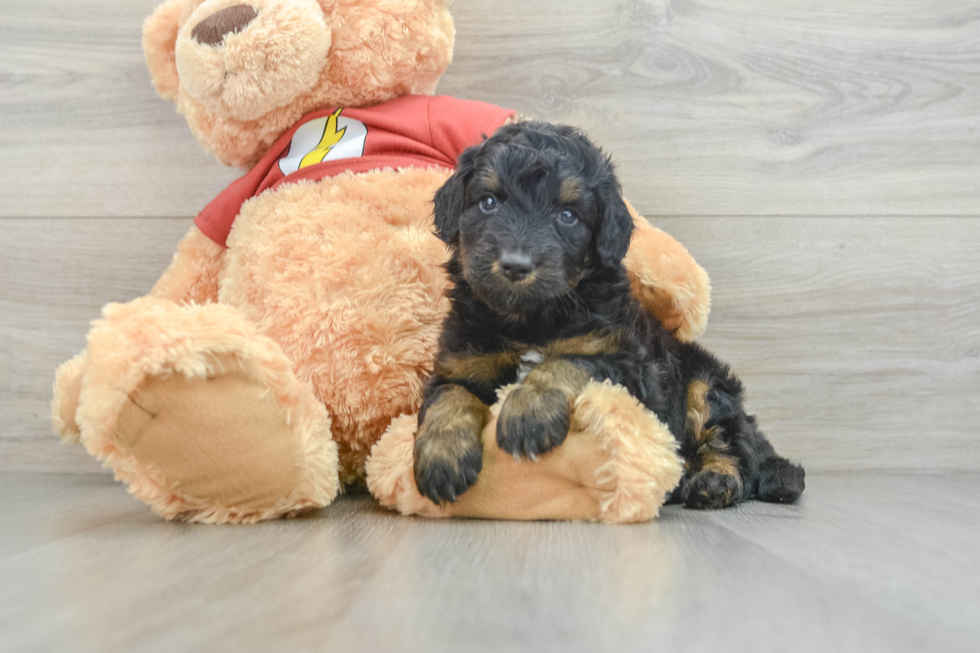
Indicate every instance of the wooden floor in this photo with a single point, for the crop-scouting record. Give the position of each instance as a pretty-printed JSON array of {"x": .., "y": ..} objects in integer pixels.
[{"x": 872, "y": 562}]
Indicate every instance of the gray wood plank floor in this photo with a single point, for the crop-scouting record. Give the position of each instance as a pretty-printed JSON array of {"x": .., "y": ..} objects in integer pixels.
[{"x": 871, "y": 562}]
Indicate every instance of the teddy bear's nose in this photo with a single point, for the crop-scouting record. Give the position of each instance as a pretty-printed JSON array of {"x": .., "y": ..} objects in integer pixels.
[{"x": 213, "y": 29}]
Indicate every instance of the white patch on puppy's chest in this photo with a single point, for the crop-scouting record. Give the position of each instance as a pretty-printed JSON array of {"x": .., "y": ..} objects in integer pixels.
[{"x": 529, "y": 360}]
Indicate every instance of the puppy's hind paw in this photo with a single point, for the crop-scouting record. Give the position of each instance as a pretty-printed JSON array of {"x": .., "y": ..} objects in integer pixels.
[
  {"x": 709, "y": 490},
  {"x": 780, "y": 481}
]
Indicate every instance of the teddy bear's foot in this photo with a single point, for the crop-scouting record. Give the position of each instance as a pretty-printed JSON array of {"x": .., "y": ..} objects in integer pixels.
[
  {"x": 202, "y": 417},
  {"x": 616, "y": 465}
]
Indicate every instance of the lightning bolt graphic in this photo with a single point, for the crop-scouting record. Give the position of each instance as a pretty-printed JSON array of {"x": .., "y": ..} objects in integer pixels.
[{"x": 330, "y": 138}]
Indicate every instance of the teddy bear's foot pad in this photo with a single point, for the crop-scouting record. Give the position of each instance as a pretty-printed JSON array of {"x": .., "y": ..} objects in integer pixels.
[
  {"x": 202, "y": 416},
  {"x": 220, "y": 439}
]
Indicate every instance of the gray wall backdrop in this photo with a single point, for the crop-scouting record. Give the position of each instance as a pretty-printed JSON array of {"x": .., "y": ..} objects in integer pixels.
[{"x": 820, "y": 159}]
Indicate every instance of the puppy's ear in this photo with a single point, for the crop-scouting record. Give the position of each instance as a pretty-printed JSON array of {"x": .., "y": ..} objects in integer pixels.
[
  {"x": 450, "y": 199},
  {"x": 616, "y": 227}
]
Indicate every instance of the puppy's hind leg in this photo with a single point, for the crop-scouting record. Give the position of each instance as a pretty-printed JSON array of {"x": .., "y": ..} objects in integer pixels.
[
  {"x": 713, "y": 481},
  {"x": 729, "y": 458},
  {"x": 713, "y": 477}
]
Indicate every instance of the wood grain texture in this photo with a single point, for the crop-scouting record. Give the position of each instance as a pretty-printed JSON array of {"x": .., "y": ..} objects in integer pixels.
[
  {"x": 41, "y": 509},
  {"x": 55, "y": 277},
  {"x": 923, "y": 526},
  {"x": 767, "y": 107},
  {"x": 82, "y": 132},
  {"x": 839, "y": 571},
  {"x": 858, "y": 338},
  {"x": 751, "y": 108}
]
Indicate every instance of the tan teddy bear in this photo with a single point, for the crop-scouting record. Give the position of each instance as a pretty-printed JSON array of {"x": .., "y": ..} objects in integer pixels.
[{"x": 300, "y": 314}]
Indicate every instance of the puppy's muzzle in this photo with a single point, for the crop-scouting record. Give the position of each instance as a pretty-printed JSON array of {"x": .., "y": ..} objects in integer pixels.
[{"x": 515, "y": 265}]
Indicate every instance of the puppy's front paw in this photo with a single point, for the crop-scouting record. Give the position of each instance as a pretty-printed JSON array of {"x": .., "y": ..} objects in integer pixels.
[
  {"x": 447, "y": 462},
  {"x": 533, "y": 421}
]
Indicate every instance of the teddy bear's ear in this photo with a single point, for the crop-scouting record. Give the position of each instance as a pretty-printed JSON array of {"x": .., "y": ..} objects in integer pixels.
[{"x": 159, "y": 41}]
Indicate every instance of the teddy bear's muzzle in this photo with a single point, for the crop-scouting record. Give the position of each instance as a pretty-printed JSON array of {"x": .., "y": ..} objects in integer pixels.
[
  {"x": 242, "y": 61},
  {"x": 232, "y": 20}
]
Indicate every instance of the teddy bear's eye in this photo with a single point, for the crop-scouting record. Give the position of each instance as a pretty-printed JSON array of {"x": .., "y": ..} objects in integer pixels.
[{"x": 488, "y": 204}]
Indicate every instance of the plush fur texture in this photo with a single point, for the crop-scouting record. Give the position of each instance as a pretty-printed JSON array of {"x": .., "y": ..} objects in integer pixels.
[
  {"x": 539, "y": 232},
  {"x": 194, "y": 276},
  {"x": 346, "y": 276},
  {"x": 64, "y": 402},
  {"x": 341, "y": 280}
]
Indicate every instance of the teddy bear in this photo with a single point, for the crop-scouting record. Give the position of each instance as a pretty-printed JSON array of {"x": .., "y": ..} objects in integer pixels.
[{"x": 300, "y": 315}]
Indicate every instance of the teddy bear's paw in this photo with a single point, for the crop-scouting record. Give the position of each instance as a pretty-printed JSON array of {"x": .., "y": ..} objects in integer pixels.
[
  {"x": 448, "y": 460},
  {"x": 218, "y": 444},
  {"x": 667, "y": 280},
  {"x": 202, "y": 417},
  {"x": 533, "y": 421}
]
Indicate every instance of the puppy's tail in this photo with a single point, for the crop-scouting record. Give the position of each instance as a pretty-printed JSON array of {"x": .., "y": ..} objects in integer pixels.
[{"x": 780, "y": 481}]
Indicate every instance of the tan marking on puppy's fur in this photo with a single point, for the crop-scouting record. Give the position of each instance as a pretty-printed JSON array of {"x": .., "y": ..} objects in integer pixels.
[
  {"x": 560, "y": 375},
  {"x": 477, "y": 367},
  {"x": 453, "y": 424},
  {"x": 698, "y": 411},
  {"x": 588, "y": 345},
  {"x": 571, "y": 189},
  {"x": 528, "y": 280},
  {"x": 490, "y": 180},
  {"x": 539, "y": 409},
  {"x": 537, "y": 401},
  {"x": 714, "y": 462}
]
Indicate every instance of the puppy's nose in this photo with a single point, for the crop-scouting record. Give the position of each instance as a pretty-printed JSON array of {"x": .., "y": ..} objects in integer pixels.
[
  {"x": 516, "y": 265},
  {"x": 213, "y": 29}
]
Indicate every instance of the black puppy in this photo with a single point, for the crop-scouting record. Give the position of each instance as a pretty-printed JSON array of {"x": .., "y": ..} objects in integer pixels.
[{"x": 538, "y": 231}]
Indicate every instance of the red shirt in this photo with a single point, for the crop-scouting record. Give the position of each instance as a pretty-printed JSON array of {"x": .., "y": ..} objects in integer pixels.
[{"x": 412, "y": 131}]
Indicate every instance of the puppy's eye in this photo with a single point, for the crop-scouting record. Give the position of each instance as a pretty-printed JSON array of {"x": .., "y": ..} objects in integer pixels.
[
  {"x": 488, "y": 204},
  {"x": 567, "y": 218}
]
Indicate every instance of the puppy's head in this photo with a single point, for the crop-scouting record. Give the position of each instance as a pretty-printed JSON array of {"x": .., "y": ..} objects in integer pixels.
[{"x": 530, "y": 213}]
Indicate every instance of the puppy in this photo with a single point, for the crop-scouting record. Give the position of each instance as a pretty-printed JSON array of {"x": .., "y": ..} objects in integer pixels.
[{"x": 538, "y": 232}]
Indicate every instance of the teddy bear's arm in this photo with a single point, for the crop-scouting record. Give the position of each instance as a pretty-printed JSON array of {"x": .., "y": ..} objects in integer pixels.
[
  {"x": 667, "y": 280},
  {"x": 193, "y": 273}
]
